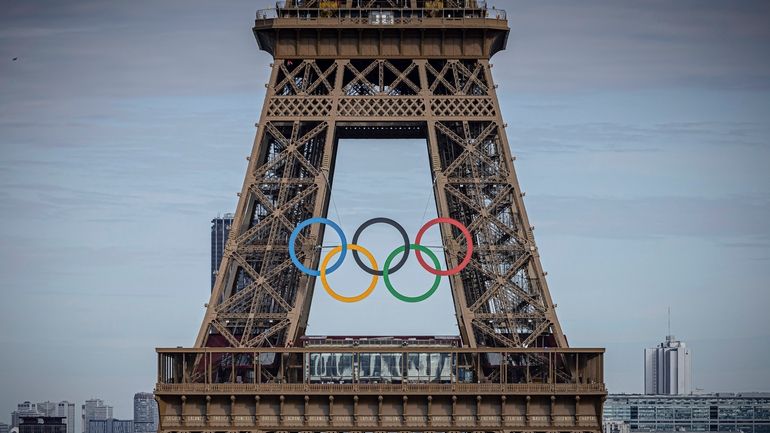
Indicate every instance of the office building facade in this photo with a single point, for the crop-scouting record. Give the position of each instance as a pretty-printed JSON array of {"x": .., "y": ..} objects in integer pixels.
[
  {"x": 615, "y": 427},
  {"x": 67, "y": 410},
  {"x": 746, "y": 413},
  {"x": 145, "y": 413},
  {"x": 42, "y": 424},
  {"x": 95, "y": 410},
  {"x": 27, "y": 408},
  {"x": 111, "y": 425},
  {"x": 46, "y": 408},
  {"x": 62, "y": 409},
  {"x": 220, "y": 230},
  {"x": 668, "y": 368}
]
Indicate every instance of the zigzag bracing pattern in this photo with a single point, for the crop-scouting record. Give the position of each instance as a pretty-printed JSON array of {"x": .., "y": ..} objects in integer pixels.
[
  {"x": 457, "y": 78},
  {"x": 501, "y": 288},
  {"x": 381, "y": 78},
  {"x": 305, "y": 77},
  {"x": 261, "y": 298},
  {"x": 282, "y": 193}
]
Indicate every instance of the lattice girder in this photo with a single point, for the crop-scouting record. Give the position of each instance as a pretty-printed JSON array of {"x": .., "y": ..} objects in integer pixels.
[{"x": 501, "y": 297}]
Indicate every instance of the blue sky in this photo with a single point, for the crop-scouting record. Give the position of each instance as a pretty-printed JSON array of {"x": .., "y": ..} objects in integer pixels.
[{"x": 642, "y": 131}]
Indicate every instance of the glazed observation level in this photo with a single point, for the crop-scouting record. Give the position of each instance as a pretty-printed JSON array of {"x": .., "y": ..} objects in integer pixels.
[{"x": 418, "y": 29}]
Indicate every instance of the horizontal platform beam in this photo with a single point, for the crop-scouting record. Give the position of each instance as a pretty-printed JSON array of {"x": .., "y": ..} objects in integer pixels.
[
  {"x": 375, "y": 388},
  {"x": 379, "y": 412}
]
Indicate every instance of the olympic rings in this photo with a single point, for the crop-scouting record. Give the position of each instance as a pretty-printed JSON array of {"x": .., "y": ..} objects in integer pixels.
[
  {"x": 337, "y": 296},
  {"x": 293, "y": 240},
  {"x": 386, "y": 271},
  {"x": 468, "y": 241},
  {"x": 381, "y": 221},
  {"x": 386, "y": 274}
]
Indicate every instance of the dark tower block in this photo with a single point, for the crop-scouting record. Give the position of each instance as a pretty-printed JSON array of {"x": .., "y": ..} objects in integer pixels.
[{"x": 393, "y": 69}]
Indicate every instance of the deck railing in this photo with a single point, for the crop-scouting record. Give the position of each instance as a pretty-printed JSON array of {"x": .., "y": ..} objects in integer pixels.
[
  {"x": 398, "y": 369},
  {"x": 379, "y": 16}
]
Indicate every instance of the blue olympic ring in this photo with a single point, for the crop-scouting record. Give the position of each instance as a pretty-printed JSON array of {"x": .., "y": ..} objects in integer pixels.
[{"x": 293, "y": 239}]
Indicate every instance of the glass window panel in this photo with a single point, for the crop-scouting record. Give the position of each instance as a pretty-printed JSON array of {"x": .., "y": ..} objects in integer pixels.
[
  {"x": 331, "y": 367},
  {"x": 745, "y": 412},
  {"x": 700, "y": 413},
  {"x": 728, "y": 412},
  {"x": 646, "y": 412},
  {"x": 762, "y": 413},
  {"x": 665, "y": 413}
]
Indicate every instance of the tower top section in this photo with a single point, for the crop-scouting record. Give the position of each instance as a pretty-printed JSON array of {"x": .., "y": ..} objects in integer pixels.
[{"x": 408, "y": 29}]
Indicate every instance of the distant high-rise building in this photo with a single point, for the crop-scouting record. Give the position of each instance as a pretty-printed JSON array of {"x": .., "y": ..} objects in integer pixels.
[
  {"x": 110, "y": 425},
  {"x": 220, "y": 230},
  {"x": 42, "y": 424},
  {"x": 4, "y": 428},
  {"x": 61, "y": 409},
  {"x": 145, "y": 413},
  {"x": 26, "y": 407},
  {"x": 23, "y": 409},
  {"x": 667, "y": 368},
  {"x": 67, "y": 410},
  {"x": 46, "y": 408},
  {"x": 95, "y": 410},
  {"x": 98, "y": 426}
]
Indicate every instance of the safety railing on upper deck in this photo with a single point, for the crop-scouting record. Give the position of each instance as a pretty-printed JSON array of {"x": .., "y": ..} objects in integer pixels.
[
  {"x": 379, "y": 16},
  {"x": 414, "y": 369}
]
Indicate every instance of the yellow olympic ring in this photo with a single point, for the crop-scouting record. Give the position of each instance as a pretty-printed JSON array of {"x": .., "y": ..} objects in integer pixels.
[{"x": 349, "y": 299}]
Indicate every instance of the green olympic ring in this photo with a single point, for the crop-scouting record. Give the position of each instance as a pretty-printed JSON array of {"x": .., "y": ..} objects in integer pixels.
[{"x": 386, "y": 276}]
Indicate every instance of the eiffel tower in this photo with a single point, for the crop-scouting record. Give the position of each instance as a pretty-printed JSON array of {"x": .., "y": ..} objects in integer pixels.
[{"x": 394, "y": 69}]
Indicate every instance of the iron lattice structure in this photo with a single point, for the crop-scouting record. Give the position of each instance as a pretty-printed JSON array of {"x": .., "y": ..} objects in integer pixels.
[
  {"x": 261, "y": 299},
  {"x": 380, "y": 69}
]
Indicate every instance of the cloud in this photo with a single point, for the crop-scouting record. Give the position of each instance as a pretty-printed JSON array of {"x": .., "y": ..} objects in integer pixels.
[
  {"x": 579, "y": 47},
  {"x": 172, "y": 48},
  {"x": 720, "y": 219},
  {"x": 636, "y": 137}
]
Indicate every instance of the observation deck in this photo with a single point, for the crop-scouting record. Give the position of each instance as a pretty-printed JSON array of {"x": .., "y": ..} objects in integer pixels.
[
  {"x": 394, "y": 29},
  {"x": 380, "y": 388}
]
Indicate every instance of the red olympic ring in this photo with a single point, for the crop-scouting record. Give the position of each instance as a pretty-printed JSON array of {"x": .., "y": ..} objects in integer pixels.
[{"x": 468, "y": 241}]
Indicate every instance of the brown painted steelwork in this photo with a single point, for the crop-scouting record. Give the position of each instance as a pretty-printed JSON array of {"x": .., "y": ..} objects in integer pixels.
[
  {"x": 381, "y": 69},
  {"x": 317, "y": 98},
  {"x": 479, "y": 389}
]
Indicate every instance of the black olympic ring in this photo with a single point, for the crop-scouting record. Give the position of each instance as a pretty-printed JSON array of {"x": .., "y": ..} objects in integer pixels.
[{"x": 389, "y": 222}]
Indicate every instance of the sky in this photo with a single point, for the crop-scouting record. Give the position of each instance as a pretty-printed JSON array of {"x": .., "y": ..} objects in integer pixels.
[{"x": 642, "y": 135}]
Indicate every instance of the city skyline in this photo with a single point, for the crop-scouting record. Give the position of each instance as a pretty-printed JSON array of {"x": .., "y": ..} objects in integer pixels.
[
  {"x": 620, "y": 119},
  {"x": 144, "y": 414}
]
